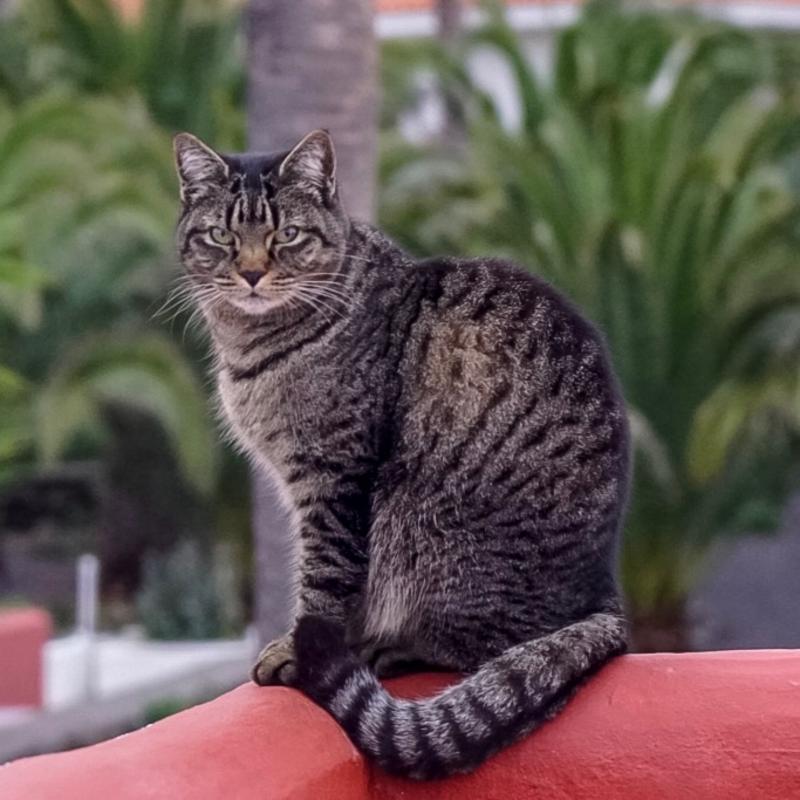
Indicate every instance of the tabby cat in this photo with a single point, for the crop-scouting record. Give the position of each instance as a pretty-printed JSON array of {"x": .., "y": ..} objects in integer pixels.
[{"x": 449, "y": 442}]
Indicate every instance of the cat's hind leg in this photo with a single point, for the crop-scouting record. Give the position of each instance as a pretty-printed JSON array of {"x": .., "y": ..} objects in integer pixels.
[{"x": 394, "y": 661}]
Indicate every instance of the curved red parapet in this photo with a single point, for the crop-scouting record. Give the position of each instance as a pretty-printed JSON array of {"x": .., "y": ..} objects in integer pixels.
[
  {"x": 691, "y": 726},
  {"x": 703, "y": 726},
  {"x": 23, "y": 633},
  {"x": 269, "y": 744}
]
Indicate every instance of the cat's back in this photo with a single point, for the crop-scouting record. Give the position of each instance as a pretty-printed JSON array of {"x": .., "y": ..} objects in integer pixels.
[
  {"x": 488, "y": 321},
  {"x": 500, "y": 366}
]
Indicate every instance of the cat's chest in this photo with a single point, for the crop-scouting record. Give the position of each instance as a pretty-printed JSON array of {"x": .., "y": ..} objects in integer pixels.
[{"x": 260, "y": 413}]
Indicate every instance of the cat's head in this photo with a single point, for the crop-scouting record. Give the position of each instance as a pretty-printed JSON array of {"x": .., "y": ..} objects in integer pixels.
[{"x": 260, "y": 231}]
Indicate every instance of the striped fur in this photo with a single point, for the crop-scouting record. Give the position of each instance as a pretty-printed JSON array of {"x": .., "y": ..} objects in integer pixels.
[
  {"x": 455, "y": 731},
  {"x": 448, "y": 439}
]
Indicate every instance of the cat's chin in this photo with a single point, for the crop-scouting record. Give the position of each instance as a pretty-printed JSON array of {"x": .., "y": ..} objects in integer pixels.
[{"x": 254, "y": 305}]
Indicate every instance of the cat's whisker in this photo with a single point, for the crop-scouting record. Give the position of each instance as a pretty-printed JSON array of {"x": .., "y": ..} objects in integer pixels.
[
  {"x": 340, "y": 309},
  {"x": 174, "y": 297},
  {"x": 331, "y": 291},
  {"x": 184, "y": 286},
  {"x": 312, "y": 303},
  {"x": 335, "y": 305},
  {"x": 323, "y": 287},
  {"x": 181, "y": 304},
  {"x": 332, "y": 310},
  {"x": 194, "y": 320},
  {"x": 348, "y": 300},
  {"x": 333, "y": 285},
  {"x": 208, "y": 298}
]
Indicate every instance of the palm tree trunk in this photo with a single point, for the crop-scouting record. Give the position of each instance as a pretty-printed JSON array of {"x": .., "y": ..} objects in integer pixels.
[
  {"x": 448, "y": 15},
  {"x": 448, "y": 20},
  {"x": 271, "y": 580},
  {"x": 311, "y": 64}
]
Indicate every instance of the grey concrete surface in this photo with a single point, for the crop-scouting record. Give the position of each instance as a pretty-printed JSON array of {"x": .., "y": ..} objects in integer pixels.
[{"x": 750, "y": 597}]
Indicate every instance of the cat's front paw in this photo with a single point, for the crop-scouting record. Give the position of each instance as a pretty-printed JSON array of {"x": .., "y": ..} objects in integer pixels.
[{"x": 275, "y": 663}]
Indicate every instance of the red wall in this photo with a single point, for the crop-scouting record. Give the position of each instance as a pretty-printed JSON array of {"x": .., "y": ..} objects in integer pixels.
[
  {"x": 720, "y": 726},
  {"x": 23, "y": 634}
]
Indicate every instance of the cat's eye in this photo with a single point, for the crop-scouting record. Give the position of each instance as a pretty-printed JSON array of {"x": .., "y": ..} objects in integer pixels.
[
  {"x": 221, "y": 236},
  {"x": 287, "y": 234}
]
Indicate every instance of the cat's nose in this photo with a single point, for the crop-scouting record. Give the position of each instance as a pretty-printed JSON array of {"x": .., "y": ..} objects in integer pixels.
[{"x": 252, "y": 276}]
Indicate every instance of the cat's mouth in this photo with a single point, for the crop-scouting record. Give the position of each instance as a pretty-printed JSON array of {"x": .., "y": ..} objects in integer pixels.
[{"x": 254, "y": 303}]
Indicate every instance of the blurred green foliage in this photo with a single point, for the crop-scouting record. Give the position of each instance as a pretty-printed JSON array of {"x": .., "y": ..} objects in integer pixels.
[
  {"x": 88, "y": 103},
  {"x": 166, "y": 707},
  {"x": 652, "y": 177},
  {"x": 186, "y": 594},
  {"x": 182, "y": 58},
  {"x": 87, "y": 207}
]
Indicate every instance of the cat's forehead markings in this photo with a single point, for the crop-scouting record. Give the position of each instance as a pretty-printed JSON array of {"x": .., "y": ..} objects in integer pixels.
[
  {"x": 248, "y": 205},
  {"x": 252, "y": 186},
  {"x": 237, "y": 182},
  {"x": 267, "y": 186},
  {"x": 254, "y": 168},
  {"x": 265, "y": 210}
]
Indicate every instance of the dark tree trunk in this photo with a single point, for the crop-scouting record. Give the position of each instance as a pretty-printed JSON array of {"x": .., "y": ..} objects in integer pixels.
[
  {"x": 271, "y": 584},
  {"x": 448, "y": 15},
  {"x": 311, "y": 64},
  {"x": 449, "y": 18}
]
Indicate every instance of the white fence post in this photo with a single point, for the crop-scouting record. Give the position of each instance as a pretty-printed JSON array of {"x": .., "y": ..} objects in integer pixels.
[{"x": 88, "y": 586}]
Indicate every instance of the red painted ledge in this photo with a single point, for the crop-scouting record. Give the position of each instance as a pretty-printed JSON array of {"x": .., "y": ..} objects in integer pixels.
[
  {"x": 23, "y": 633},
  {"x": 704, "y": 726}
]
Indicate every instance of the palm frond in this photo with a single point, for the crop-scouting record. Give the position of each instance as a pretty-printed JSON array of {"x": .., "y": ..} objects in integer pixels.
[
  {"x": 145, "y": 371},
  {"x": 652, "y": 181}
]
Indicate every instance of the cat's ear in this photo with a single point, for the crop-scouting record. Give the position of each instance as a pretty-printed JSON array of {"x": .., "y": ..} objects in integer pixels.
[
  {"x": 197, "y": 164},
  {"x": 312, "y": 162}
]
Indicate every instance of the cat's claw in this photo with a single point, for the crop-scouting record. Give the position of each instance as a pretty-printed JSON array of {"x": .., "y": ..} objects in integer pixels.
[{"x": 275, "y": 664}]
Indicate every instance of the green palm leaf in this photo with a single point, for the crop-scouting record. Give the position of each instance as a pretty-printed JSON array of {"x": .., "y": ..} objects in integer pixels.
[
  {"x": 145, "y": 371},
  {"x": 652, "y": 181}
]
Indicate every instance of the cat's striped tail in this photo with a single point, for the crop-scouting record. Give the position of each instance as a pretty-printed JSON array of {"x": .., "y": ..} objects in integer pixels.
[{"x": 458, "y": 729}]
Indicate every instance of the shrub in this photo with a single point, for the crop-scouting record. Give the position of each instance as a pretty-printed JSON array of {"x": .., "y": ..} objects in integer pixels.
[{"x": 186, "y": 594}]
